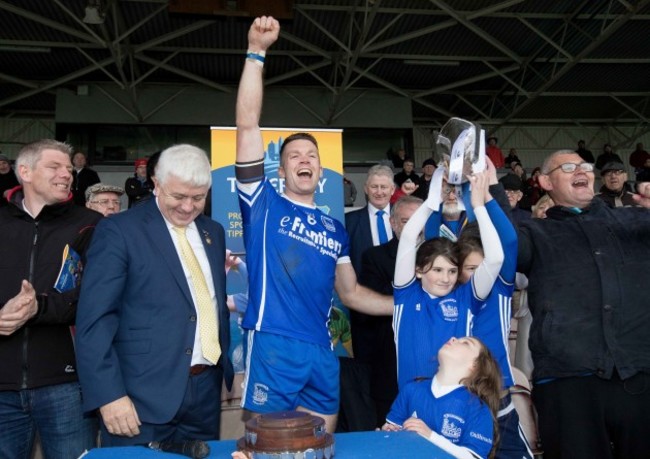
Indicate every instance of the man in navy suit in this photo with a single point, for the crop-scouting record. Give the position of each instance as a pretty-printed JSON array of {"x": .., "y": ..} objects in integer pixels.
[
  {"x": 362, "y": 227},
  {"x": 361, "y": 224},
  {"x": 145, "y": 361}
]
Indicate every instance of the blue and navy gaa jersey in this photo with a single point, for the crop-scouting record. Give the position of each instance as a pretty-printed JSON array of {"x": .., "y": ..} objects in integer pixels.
[
  {"x": 291, "y": 252},
  {"x": 422, "y": 325},
  {"x": 459, "y": 416},
  {"x": 492, "y": 324}
]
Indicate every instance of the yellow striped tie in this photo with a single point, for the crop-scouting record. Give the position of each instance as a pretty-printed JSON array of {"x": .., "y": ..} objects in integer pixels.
[{"x": 208, "y": 322}]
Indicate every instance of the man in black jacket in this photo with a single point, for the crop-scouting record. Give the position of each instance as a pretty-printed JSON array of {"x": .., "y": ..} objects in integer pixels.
[
  {"x": 616, "y": 192},
  {"x": 408, "y": 173},
  {"x": 82, "y": 177},
  {"x": 39, "y": 391},
  {"x": 587, "y": 266},
  {"x": 139, "y": 187}
]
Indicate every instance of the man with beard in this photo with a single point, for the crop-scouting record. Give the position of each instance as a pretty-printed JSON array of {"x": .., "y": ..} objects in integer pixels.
[{"x": 450, "y": 221}]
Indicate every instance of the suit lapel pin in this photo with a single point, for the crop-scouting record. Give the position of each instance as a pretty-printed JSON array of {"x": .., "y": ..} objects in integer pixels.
[{"x": 206, "y": 236}]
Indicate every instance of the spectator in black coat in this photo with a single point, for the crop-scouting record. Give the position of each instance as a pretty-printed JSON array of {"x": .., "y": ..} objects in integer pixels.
[
  {"x": 82, "y": 178},
  {"x": 407, "y": 173},
  {"x": 607, "y": 156},
  {"x": 138, "y": 187}
]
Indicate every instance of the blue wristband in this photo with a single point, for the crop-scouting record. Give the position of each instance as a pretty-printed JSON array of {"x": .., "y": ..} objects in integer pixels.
[{"x": 255, "y": 57}]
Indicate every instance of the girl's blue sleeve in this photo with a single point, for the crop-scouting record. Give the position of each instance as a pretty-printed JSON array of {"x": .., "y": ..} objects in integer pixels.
[{"x": 508, "y": 238}]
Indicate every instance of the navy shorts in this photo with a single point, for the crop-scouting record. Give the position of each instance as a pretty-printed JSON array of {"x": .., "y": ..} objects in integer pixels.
[{"x": 512, "y": 441}]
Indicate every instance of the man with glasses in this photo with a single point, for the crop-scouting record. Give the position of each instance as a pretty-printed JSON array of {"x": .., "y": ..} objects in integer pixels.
[
  {"x": 588, "y": 265},
  {"x": 451, "y": 220},
  {"x": 104, "y": 198},
  {"x": 153, "y": 323},
  {"x": 616, "y": 192},
  {"x": 513, "y": 184}
]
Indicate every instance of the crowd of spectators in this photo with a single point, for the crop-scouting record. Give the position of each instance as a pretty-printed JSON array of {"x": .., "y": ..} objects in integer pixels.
[{"x": 144, "y": 337}]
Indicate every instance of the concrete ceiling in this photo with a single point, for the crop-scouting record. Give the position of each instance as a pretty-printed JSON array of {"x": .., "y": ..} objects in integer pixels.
[{"x": 508, "y": 62}]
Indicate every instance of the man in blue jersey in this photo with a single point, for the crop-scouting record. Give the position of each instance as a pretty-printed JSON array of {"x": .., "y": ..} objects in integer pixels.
[{"x": 296, "y": 256}]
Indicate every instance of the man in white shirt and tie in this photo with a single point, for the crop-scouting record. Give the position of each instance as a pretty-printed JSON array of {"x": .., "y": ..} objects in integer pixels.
[
  {"x": 152, "y": 322},
  {"x": 367, "y": 227}
]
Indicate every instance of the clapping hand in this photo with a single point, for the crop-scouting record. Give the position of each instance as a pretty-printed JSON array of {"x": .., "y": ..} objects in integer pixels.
[{"x": 18, "y": 309}]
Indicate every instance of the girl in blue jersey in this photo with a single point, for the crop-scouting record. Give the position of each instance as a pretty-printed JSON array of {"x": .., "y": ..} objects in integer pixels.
[
  {"x": 430, "y": 307},
  {"x": 456, "y": 410},
  {"x": 492, "y": 326}
]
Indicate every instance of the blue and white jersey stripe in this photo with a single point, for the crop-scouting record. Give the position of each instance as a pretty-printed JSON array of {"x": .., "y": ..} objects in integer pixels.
[
  {"x": 422, "y": 325},
  {"x": 291, "y": 251}
]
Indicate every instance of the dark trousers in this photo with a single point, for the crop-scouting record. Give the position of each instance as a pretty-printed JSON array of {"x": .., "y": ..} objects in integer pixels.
[
  {"x": 198, "y": 417},
  {"x": 356, "y": 410},
  {"x": 592, "y": 418}
]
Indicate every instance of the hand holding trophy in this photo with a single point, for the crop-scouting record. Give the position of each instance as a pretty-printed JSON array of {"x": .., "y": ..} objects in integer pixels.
[{"x": 461, "y": 144}]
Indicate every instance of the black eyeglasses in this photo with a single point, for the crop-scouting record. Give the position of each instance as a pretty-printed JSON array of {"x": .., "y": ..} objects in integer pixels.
[{"x": 569, "y": 168}]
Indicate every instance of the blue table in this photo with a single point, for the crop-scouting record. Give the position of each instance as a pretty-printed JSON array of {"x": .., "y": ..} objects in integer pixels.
[{"x": 357, "y": 445}]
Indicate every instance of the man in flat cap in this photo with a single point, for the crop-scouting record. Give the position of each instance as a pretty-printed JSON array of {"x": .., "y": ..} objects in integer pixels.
[
  {"x": 615, "y": 190},
  {"x": 513, "y": 185},
  {"x": 428, "y": 168},
  {"x": 104, "y": 198}
]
